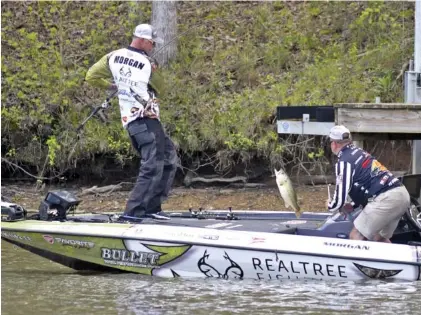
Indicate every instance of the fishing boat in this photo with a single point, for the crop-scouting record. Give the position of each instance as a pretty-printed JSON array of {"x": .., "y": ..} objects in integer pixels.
[{"x": 219, "y": 244}]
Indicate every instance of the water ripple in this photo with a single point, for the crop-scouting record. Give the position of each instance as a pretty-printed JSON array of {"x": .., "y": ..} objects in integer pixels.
[{"x": 32, "y": 285}]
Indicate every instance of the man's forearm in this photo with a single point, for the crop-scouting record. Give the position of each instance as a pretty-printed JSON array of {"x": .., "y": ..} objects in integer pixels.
[{"x": 100, "y": 75}]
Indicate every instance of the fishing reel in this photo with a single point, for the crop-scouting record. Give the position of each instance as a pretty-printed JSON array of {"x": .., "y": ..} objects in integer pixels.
[
  {"x": 198, "y": 214},
  {"x": 231, "y": 215}
]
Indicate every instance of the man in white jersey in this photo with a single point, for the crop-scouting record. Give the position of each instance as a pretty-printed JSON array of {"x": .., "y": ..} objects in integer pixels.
[{"x": 131, "y": 70}]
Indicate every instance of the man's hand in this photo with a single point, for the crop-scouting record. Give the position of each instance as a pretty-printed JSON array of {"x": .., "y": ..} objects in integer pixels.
[
  {"x": 347, "y": 208},
  {"x": 150, "y": 114},
  {"x": 150, "y": 105},
  {"x": 150, "y": 108}
]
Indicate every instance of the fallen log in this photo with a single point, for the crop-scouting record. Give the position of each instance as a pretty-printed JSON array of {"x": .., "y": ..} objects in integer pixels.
[
  {"x": 188, "y": 180},
  {"x": 249, "y": 185},
  {"x": 105, "y": 189}
]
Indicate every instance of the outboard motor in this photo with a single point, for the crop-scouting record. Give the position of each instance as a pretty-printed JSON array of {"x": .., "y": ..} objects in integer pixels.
[
  {"x": 56, "y": 205},
  {"x": 12, "y": 212},
  {"x": 413, "y": 185}
]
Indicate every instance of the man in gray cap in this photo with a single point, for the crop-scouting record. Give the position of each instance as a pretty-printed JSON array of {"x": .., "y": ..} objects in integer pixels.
[
  {"x": 130, "y": 70},
  {"x": 369, "y": 184}
]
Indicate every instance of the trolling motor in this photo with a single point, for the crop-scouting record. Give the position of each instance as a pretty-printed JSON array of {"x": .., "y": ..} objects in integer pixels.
[{"x": 56, "y": 205}]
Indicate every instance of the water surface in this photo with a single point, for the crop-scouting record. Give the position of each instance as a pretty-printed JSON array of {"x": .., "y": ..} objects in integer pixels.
[{"x": 34, "y": 285}]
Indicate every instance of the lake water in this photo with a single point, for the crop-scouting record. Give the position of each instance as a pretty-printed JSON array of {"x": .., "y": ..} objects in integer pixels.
[{"x": 34, "y": 285}]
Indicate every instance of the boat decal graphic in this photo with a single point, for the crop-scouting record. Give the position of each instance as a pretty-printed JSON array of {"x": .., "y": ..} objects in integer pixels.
[
  {"x": 49, "y": 238},
  {"x": 234, "y": 271},
  {"x": 346, "y": 245},
  {"x": 255, "y": 240},
  {"x": 174, "y": 274},
  {"x": 16, "y": 236},
  {"x": 68, "y": 242},
  {"x": 143, "y": 261},
  {"x": 210, "y": 237},
  {"x": 168, "y": 253},
  {"x": 283, "y": 267},
  {"x": 375, "y": 273}
]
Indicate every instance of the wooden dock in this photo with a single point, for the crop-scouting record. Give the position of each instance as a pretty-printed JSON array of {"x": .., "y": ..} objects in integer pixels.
[
  {"x": 366, "y": 121},
  {"x": 394, "y": 121}
]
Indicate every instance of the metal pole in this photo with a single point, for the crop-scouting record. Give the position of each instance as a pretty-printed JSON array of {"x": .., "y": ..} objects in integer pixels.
[
  {"x": 416, "y": 144},
  {"x": 417, "y": 50}
]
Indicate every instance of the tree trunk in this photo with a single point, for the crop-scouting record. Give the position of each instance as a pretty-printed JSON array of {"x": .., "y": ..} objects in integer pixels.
[{"x": 164, "y": 20}]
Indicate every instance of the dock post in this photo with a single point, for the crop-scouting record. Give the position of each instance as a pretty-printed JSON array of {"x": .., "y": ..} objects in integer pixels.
[
  {"x": 413, "y": 87},
  {"x": 416, "y": 144}
]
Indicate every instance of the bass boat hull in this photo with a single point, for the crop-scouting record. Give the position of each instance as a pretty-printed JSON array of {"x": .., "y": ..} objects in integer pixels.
[{"x": 180, "y": 251}]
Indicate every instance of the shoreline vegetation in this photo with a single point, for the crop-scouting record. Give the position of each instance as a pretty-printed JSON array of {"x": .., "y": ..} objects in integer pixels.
[{"x": 236, "y": 63}]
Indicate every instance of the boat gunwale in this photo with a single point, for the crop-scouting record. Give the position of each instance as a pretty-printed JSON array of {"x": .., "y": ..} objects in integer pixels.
[{"x": 250, "y": 248}]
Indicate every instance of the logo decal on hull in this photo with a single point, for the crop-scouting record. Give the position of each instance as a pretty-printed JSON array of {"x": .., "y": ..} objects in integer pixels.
[
  {"x": 49, "y": 238},
  {"x": 16, "y": 236},
  {"x": 234, "y": 271},
  {"x": 144, "y": 262},
  {"x": 375, "y": 273},
  {"x": 345, "y": 245},
  {"x": 174, "y": 274},
  {"x": 68, "y": 242}
]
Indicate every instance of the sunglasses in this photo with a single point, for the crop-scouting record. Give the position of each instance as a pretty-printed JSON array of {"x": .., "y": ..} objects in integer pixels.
[{"x": 151, "y": 41}]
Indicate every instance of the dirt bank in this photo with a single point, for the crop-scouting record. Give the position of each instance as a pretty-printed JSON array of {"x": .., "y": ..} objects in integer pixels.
[{"x": 310, "y": 198}]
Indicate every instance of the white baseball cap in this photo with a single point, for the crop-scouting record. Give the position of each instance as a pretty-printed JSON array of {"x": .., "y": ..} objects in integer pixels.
[
  {"x": 339, "y": 133},
  {"x": 146, "y": 31}
]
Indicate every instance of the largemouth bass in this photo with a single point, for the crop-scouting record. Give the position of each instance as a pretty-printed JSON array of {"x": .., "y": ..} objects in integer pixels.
[{"x": 287, "y": 191}]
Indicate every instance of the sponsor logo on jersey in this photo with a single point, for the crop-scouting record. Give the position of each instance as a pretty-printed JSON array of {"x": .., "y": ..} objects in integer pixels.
[
  {"x": 129, "y": 61},
  {"x": 134, "y": 110},
  {"x": 377, "y": 168},
  {"x": 125, "y": 71}
]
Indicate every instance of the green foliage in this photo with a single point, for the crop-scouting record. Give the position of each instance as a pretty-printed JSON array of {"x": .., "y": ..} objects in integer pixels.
[
  {"x": 237, "y": 61},
  {"x": 53, "y": 147},
  {"x": 313, "y": 155},
  {"x": 47, "y": 49}
]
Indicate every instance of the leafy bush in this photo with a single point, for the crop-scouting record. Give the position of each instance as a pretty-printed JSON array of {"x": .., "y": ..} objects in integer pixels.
[{"x": 236, "y": 63}]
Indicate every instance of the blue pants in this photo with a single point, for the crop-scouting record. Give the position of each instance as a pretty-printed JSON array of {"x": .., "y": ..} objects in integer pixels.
[{"x": 157, "y": 167}]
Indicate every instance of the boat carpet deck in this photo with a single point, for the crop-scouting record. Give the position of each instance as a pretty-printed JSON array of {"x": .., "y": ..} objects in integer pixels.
[{"x": 286, "y": 226}]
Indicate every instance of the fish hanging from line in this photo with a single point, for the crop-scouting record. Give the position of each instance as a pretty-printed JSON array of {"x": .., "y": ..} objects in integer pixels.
[{"x": 287, "y": 191}]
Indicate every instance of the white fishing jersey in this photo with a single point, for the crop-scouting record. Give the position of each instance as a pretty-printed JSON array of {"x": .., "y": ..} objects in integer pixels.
[{"x": 130, "y": 68}]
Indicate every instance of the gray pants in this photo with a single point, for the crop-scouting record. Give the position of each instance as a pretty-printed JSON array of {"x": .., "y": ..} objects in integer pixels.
[{"x": 157, "y": 167}]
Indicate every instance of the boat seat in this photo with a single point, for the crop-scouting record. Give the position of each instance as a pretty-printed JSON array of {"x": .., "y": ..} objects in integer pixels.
[
  {"x": 413, "y": 243},
  {"x": 413, "y": 184}
]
